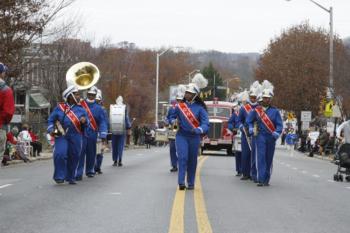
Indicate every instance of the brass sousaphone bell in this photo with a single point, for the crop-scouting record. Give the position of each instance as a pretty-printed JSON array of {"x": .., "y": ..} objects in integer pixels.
[{"x": 83, "y": 75}]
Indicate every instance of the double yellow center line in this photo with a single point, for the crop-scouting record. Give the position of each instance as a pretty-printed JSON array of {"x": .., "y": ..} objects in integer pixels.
[{"x": 178, "y": 210}]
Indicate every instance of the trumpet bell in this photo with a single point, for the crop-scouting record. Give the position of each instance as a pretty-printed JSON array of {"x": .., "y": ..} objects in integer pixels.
[{"x": 83, "y": 75}]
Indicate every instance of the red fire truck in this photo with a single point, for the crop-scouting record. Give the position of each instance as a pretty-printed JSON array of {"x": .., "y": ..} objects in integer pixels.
[{"x": 219, "y": 136}]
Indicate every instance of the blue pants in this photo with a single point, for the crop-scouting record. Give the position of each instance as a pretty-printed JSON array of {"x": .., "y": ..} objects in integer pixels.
[
  {"x": 118, "y": 142},
  {"x": 265, "y": 151},
  {"x": 173, "y": 155},
  {"x": 253, "y": 171},
  {"x": 187, "y": 148},
  {"x": 246, "y": 156},
  {"x": 88, "y": 156},
  {"x": 238, "y": 158},
  {"x": 66, "y": 157},
  {"x": 99, "y": 159}
]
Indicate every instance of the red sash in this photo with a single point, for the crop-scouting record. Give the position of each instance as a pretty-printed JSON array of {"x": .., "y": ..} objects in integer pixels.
[
  {"x": 247, "y": 108},
  {"x": 189, "y": 115},
  {"x": 91, "y": 117},
  {"x": 72, "y": 117},
  {"x": 265, "y": 119}
]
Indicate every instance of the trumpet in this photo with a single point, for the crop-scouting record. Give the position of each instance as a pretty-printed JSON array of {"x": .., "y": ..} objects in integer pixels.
[
  {"x": 172, "y": 130},
  {"x": 58, "y": 130},
  {"x": 256, "y": 129}
]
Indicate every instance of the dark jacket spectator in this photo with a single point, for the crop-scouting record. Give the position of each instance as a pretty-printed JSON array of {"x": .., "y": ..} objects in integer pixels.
[{"x": 35, "y": 143}]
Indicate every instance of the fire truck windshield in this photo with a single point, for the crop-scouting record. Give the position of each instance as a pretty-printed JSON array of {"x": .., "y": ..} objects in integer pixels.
[{"x": 219, "y": 111}]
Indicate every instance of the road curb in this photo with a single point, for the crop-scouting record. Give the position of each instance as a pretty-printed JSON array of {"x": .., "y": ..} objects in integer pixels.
[{"x": 48, "y": 156}]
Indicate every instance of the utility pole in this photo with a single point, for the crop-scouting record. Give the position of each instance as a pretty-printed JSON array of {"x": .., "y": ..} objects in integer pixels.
[{"x": 214, "y": 87}]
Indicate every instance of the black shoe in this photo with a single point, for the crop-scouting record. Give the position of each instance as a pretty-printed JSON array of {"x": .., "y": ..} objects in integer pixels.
[
  {"x": 90, "y": 175},
  {"x": 190, "y": 188},
  {"x": 239, "y": 174},
  {"x": 174, "y": 169},
  {"x": 120, "y": 164},
  {"x": 99, "y": 172},
  {"x": 58, "y": 181},
  {"x": 115, "y": 163},
  {"x": 79, "y": 178},
  {"x": 260, "y": 184},
  {"x": 245, "y": 178},
  {"x": 72, "y": 182},
  {"x": 182, "y": 187}
]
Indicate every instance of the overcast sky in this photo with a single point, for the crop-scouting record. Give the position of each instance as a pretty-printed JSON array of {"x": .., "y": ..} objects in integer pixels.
[{"x": 223, "y": 25}]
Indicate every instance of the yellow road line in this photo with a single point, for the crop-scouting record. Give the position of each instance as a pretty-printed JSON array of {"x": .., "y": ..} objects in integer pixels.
[
  {"x": 178, "y": 210},
  {"x": 203, "y": 224},
  {"x": 178, "y": 213}
]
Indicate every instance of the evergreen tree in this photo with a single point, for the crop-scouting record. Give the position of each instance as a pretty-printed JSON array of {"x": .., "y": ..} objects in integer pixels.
[{"x": 210, "y": 73}]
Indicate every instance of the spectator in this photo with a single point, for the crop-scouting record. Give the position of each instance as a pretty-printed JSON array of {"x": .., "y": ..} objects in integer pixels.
[
  {"x": 153, "y": 136},
  {"x": 291, "y": 140},
  {"x": 283, "y": 138},
  {"x": 7, "y": 107},
  {"x": 35, "y": 143},
  {"x": 23, "y": 144},
  {"x": 143, "y": 135},
  {"x": 323, "y": 140},
  {"x": 11, "y": 142},
  {"x": 345, "y": 128},
  {"x": 136, "y": 134},
  {"x": 148, "y": 138}
]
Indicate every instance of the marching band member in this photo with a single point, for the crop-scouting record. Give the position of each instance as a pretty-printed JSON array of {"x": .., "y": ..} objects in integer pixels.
[
  {"x": 270, "y": 126},
  {"x": 246, "y": 140},
  {"x": 173, "y": 156},
  {"x": 100, "y": 146},
  {"x": 118, "y": 141},
  {"x": 98, "y": 127},
  {"x": 233, "y": 124},
  {"x": 67, "y": 123},
  {"x": 193, "y": 121}
]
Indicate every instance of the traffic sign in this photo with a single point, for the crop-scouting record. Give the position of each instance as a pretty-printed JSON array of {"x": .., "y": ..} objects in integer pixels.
[
  {"x": 336, "y": 111},
  {"x": 305, "y": 116},
  {"x": 305, "y": 125}
]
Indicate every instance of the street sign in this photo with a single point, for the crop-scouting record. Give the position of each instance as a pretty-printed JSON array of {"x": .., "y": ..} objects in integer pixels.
[
  {"x": 305, "y": 125},
  {"x": 305, "y": 116},
  {"x": 336, "y": 111}
]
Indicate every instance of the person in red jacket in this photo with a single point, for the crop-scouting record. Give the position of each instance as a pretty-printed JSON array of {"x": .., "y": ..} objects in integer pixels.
[
  {"x": 35, "y": 143},
  {"x": 7, "y": 108}
]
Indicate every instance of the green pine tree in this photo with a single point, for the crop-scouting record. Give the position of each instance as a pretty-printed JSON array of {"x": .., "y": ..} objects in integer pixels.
[{"x": 209, "y": 72}]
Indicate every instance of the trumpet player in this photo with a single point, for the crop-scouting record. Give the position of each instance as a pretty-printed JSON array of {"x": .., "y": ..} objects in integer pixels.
[
  {"x": 173, "y": 155},
  {"x": 98, "y": 128},
  {"x": 100, "y": 145},
  {"x": 67, "y": 123}
]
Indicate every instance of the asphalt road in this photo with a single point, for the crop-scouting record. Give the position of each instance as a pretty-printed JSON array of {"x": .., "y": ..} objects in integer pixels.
[{"x": 140, "y": 197}]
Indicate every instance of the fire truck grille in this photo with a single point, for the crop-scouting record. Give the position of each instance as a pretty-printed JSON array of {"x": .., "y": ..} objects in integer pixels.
[{"x": 215, "y": 130}]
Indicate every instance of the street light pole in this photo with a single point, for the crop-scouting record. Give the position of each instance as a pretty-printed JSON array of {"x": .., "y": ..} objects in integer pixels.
[
  {"x": 331, "y": 57},
  {"x": 157, "y": 85}
]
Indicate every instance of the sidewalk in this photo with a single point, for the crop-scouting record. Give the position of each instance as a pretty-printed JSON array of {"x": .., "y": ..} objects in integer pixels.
[
  {"x": 316, "y": 156},
  {"x": 46, "y": 155},
  {"x": 43, "y": 156}
]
